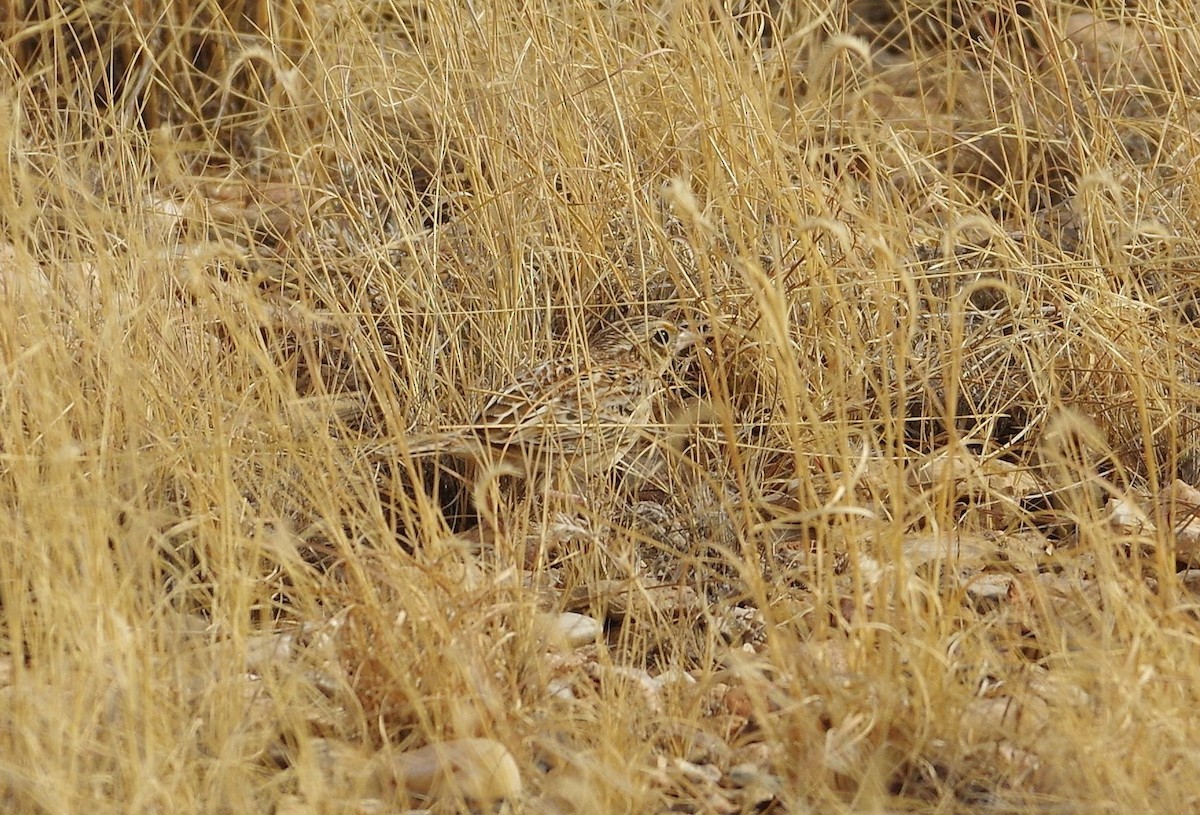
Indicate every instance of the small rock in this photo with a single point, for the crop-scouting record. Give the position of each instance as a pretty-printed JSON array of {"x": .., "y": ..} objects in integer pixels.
[
  {"x": 569, "y": 629},
  {"x": 481, "y": 771},
  {"x": 989, "y": 591},
  {"x": 759, "y": 788}
]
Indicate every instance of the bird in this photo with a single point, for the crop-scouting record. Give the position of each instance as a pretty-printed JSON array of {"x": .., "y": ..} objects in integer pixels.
[{"x": 580, "y": 416}]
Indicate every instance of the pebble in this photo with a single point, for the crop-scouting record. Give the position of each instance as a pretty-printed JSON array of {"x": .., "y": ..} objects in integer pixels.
[
  {"x": 480, "y": 771},
  {"x": 570, "y": 629}
]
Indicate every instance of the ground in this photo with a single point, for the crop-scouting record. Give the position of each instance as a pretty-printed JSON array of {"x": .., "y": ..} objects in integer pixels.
[{"x": 913, "y": 530}]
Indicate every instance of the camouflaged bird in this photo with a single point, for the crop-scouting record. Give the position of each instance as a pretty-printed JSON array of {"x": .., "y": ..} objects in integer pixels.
[{"x": 580, "y": 416}]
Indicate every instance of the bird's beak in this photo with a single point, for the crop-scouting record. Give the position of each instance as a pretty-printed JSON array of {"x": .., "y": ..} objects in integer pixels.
[{"x": 690, "y": 334}]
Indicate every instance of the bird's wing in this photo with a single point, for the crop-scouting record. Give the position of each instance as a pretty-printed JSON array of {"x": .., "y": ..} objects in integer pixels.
[
  {"x": 531, "y": 402},
  {"x": 565, "y": 404}
]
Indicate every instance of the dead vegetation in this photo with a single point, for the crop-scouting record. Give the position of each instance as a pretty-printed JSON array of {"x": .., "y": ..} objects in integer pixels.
[{"x": 914, "y": 531}]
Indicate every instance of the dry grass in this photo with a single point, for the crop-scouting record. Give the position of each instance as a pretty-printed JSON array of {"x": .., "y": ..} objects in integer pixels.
[{"x": 873, "y": 561}]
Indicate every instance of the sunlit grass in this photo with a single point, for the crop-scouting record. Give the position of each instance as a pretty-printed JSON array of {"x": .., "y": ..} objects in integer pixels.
[{"x": 867, "y": 564}]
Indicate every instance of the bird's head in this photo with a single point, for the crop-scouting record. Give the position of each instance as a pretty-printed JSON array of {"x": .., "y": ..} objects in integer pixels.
[{"x": 656, "y": 338}]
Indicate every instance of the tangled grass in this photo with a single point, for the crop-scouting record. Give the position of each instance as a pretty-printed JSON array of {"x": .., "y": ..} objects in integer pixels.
[{"x": 914, "y": 532}]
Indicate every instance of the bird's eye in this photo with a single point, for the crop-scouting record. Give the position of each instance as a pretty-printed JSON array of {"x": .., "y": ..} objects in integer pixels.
[{"x": 661, "y": 337}]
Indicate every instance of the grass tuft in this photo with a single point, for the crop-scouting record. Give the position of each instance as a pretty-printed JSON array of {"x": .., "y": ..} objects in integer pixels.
[{"x": 913, "y": 531}]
